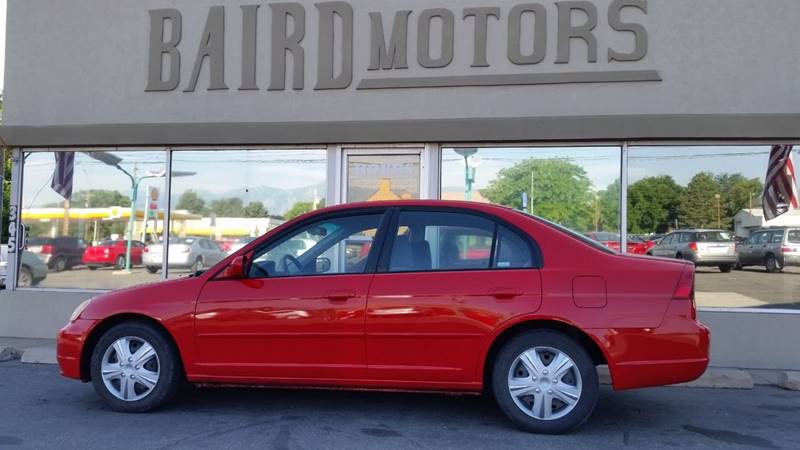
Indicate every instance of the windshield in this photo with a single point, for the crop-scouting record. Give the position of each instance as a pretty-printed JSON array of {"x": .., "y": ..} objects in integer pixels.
[
  {"x": 713, "y": 236},
  {"x": 185, "y": 241}
]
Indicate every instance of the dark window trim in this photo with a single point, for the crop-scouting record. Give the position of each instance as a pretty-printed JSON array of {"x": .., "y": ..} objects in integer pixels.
[{"x": 537, "y": 261}]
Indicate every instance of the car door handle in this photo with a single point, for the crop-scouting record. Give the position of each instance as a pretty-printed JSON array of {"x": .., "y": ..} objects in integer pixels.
[
  {"x": 340, "y": 296},
  {"x": 505, "y": 293}
]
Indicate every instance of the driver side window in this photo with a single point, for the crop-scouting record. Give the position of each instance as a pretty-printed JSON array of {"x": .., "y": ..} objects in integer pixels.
[{"x": 339, "y": 245}]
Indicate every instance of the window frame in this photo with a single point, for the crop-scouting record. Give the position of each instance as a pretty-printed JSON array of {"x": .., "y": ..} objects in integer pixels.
[
  {"x": 372, "y": 259},
  {"x": 537, "y": 261}
]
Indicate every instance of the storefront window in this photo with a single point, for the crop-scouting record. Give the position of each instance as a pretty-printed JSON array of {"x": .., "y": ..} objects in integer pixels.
[
  {"x": 703, "y": 203},
  {"x": 578, "y": 188},
  {"x": 383, "y": 177},
  {"x": 77, "y": 207},
  {"x": 223, "y": 199}
]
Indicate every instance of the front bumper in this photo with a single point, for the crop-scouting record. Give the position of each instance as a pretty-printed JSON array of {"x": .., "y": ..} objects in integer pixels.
[{"x": 70, "y": 345}]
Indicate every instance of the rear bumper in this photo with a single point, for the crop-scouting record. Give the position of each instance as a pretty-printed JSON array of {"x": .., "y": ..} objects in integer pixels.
[
  {"x": 714, "y": 260},
  {"x": 99, "y": 261},
  {"x": 69, "y": 347},
  {"x": 790, "y": 259},
  {"x": 675, "y": 352}
]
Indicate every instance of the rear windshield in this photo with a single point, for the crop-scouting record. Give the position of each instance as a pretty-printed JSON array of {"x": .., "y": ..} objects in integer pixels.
[
  {"x": 713, "y": 236},
  {"x": 605, "y": 237},
  {"x": 183, "y": 240},
  {"x": 111, "y": 243},
  {"x": 40, "y": 241},
  {"x": 572, "y": 233},
  {"x": 794, "y": 236}
]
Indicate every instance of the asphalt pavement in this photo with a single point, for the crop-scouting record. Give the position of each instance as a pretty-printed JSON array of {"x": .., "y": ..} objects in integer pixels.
[{"x": 40, "y": 409}]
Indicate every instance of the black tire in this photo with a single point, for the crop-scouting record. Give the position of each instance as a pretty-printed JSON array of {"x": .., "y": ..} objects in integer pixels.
[
  {"x": 170, "y": 379},
  {"x": 771, "y": 263},
  {"x": 583, "y": 362},
  {"x": 726, "y": 268},
  {"x": 92, "y": 267},
  {"x": 25, "y": 277},
  {"x": 198, "y": 265},
  {"x": 152, "y": 269},
  {"x": 120, "y": 262},
  {"x": 59, "y": 264}
]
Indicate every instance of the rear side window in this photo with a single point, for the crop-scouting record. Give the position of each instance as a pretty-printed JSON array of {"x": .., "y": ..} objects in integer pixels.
[
  {"x": 794, "y": 236},
  {"x": 436, "y": 241},
  {"x": 764, "y": 238},
  {"x": 777, "y": 237}
]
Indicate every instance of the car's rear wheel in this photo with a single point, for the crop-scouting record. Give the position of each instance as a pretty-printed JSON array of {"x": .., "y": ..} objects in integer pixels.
[
  {"x": 60, "y": 264},
  {"x": 198, "y": 265},
  {"x": 771, "y": 264},
  {"x": 120, "y": 262},
  {"x": 545, "y": 382},
  {"x": 135, "y": 368},
  {"x": 726, "y": 268},
  {"x": 25, "y": 277},
  {"x": 152, "y": 269}
]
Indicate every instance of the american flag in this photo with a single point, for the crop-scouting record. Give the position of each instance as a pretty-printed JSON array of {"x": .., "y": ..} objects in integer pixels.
[
  {"x": 62, "y": 177},
  {"x": 780, "y": 189}
]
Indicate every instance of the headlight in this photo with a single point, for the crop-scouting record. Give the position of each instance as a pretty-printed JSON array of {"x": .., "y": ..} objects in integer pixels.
[{"x": 79, "y": 310}]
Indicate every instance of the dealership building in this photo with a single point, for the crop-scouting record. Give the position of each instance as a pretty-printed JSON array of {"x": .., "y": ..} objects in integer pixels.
[{"x": 222, "y": 119}]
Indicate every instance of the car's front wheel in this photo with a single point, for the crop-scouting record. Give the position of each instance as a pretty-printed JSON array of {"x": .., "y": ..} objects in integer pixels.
[
  {"x": 135, "y": 368},
  {"x": 545, "y": 382}
]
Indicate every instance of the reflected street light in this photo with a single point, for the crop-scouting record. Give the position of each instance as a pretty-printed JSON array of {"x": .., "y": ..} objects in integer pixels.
[
  {"x": 115, "y": 161},
  {"x": 469, "y": 170}
]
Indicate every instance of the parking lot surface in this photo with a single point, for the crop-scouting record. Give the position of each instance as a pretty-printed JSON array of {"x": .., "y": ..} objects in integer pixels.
[{"x": 42, "y": 410}]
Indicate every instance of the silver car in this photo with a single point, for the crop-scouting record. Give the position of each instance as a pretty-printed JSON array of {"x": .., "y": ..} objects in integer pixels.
[
  {"x": 773, "y": 248},
  {"x": 32, "y": 269},
  {"x": 193, "y": 253},
  {"x": 702, "y": 247}
]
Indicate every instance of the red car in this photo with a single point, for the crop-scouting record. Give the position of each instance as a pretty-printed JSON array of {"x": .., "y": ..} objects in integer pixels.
[
  {"x": 528, "y": 322},
  {"x": 112, "y": 254},
  {"x": 611, "y": 240}
]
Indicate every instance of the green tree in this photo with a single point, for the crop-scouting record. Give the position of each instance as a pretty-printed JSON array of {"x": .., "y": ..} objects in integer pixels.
[
  {"x": 192, "y": 202},
  {"x": 561, "y": 190},
  {"x": 99, "y": 198},
  {"x": 653, "y": 204},
  {"x": 606, "y": 216},
  {"x": 228, "y": 207},
  {"x": 255, "y": 210},
  {"x": 698, "y": 208},
  {"x": 298, "y": 209},
  {"x": 736, "y": 194}
]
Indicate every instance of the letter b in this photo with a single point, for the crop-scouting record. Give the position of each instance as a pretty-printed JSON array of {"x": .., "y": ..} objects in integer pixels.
[{"x": 159, "y": 47}]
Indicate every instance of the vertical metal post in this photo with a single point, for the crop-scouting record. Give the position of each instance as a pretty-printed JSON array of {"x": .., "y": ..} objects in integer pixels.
[
  {"x": 167, "y": 216},
  {"x": 2, "y": 192},
  {"x": 623, "y": 200}
]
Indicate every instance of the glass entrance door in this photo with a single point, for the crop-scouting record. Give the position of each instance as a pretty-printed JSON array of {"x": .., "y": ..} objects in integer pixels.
[{"x": 382, "y": 174}]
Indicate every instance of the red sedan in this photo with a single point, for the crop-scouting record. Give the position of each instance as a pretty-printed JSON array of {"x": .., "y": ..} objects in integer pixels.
[
  {"x": 112, "y": 254},
  {"x": 611, "y": 240},
  {"x": 529, "y": 321}
]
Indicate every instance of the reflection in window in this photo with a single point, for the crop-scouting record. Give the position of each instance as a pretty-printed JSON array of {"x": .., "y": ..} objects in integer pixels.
[
  {"x": 80, "y": 226},
  {"x": 711, "y": 195},
  {"x": 232, "y": 196},
  {"x": 575, "y": 187}
]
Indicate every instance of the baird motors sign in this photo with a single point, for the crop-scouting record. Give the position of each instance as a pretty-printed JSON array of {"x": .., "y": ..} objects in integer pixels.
[{"x": 527, "y": 26}]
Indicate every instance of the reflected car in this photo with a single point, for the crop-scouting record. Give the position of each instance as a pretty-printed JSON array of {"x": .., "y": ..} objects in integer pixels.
[
  {"x": 32, "y": 270},
  {"x": 773, "y": 248},
  {"x": 701, "y": 247},
  {"x": 529, "y": 324},
  {"x": 61, "y": 253},
  {"x": 612, "y": 240},
  {"x": 239, "y": 244},
  {"x": 194, "y": 253},
  {"x": 113, "y": 254}
]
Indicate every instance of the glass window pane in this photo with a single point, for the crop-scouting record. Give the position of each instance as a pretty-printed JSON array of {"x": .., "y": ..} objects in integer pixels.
[
  {"x": 441, "y": 241},
  {"x": 576, "y": 187},
  {"x": 79, "y": 226},
  {"x": 382, "y": 177},
  {"x": 228, "y": 197},
  {"x": 713, "y": 193},
  {"x": 512, "y": 251},
  {"x": 335, "y": 246}
]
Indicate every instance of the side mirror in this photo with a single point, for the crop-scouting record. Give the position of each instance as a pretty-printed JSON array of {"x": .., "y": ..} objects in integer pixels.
[
  {"x": 235, "y": 270},
  {"x": 323, "y": 265}
]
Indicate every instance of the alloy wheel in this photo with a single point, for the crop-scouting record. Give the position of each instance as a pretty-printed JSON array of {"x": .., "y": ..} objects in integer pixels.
[
  {"x": 545, "y": 383},
  {"x": 130, "y": 368}
]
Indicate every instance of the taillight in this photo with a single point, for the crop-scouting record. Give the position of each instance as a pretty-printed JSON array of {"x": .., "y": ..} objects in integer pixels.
[
  {"x": 47, "y": 249},
  {"x": 788, "y": 249},
  {"x": 684, "y": 290},
  {"x": 693, "y": 246},
  {"x": 147, "y": 249}
]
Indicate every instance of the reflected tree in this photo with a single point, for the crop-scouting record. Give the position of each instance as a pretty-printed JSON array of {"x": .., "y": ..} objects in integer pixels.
[
  {"x": 653, "y": 205},
  {"x": 192, "y": 202}
]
